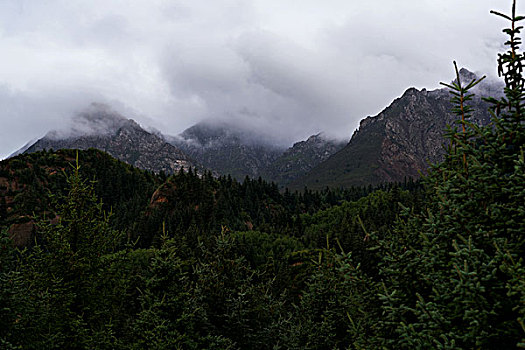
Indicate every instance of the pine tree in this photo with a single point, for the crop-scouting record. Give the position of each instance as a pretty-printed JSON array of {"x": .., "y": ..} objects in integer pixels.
[
  {"x": 465, "y": 256},
  {"x": 64, "y": 267},
  {"x": 14, "y": 302}
]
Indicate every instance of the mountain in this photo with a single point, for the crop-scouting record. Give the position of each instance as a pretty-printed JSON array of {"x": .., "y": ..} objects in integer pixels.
[
  {"x": 400, "y": 142},
  {"x": 299, "y": 159},
  {"x": 227, "y": 149},
  {"x": 103, "y": 129},
  {"x": 223, "y": 148}
]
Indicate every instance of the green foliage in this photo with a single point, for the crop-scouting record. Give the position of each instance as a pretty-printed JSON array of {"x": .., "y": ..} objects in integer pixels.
[
  {"x": 466, "y": 254},
  {"x": 238, "y": 265},
  {"x": 31, "y": 178},
  {"x": 13, "y": 300},
  {"x": 63, "y": 268},
  {"x": 192, "y": 208},
  {"x": 335, "y": 292},
  {"x": 349, "y": 225}
]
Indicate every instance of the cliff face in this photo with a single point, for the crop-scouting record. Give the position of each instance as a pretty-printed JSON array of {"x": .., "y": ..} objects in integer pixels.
[
  {"x": 400, "y": 142},
  {"x": 413, "y": 134},
  {"x": 120, "y": 137}
]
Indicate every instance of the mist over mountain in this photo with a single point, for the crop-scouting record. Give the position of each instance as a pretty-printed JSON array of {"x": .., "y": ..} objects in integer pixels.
[
  {"x": 402, "y": 141},
  {"x": 270, "y": 64},
  {"x": 302, "y": 157},
  {"x": 230, "y": 149},
  {"x": 97, "y": 119},
  {"x": 221, "y": 147},
  {"x": 104, "y": 129},
  {"x": 227, "y": 149}
]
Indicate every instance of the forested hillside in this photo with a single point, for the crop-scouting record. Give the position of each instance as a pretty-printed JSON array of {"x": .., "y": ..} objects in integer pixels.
[
  {"x": 119, "y": 258},
  {"x": 217, "y": 239}
]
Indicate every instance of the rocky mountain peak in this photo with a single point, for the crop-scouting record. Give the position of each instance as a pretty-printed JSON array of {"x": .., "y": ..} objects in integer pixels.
[
  {"x": 96, "y": 119},
  {"x": 402, "y": 140},
  {"x": 467, "y": 76},
  {"x": 411, "y": 91},
  {"x": 302, "y": 157},
  {"x": 227, "y": 148},
  {"x": 104, "y": 129},
  {"x": 318, "y": 138},
  {"x": 131, "y": 126},
  {"x": 487, "y": 87}
]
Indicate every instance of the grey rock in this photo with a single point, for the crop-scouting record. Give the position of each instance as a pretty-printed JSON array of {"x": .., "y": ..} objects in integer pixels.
[
  {"x": 122, "y": 138},
  {"x": 401, "y": 141}
]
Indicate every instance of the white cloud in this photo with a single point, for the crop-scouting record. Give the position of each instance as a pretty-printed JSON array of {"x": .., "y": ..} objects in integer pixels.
[{"x": 283, "y": 68}]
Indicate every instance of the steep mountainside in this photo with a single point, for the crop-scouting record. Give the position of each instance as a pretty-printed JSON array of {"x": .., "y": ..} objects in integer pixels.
[
  {"x": 227, "y": 149},
  {"x": 299, "y": 159},
  {"x": 123, "y": 138},
  {"x": 399, "y": 142},
  {"x": 223, "y": 148}
]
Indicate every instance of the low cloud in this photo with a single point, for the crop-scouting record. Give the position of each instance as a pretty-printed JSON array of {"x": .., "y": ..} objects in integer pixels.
[{"x": 278, "y": 69}]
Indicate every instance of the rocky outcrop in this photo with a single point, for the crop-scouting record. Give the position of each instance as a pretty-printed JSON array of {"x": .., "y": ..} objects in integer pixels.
[{"x": 22, "y": 234}]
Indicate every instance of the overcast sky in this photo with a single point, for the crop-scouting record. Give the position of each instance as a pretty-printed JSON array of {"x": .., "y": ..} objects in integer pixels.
[{"x": 286, "y": 68}]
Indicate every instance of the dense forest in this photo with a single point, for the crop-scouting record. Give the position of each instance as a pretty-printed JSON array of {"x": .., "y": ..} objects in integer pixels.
[{"x": 120, "y": 258}]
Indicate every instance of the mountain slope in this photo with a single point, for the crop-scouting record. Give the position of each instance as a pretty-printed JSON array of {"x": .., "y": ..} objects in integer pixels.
[
  {"x": 227, "y": 149},
  {"x": 399, "y": 142},
  {"x": 28, "y": 182},
  {"x": 299, "y": 159},
  {"x": 123, "y": 138}
]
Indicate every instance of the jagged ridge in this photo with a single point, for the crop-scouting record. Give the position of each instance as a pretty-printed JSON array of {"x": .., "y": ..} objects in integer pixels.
[
  {"x": 122, "y": 138},
  {"x": 400, "y": 142}
]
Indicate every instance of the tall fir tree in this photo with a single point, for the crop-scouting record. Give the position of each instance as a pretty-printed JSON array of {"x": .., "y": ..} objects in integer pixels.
[
  {"x": 466, "y": 258},
  {"x": 64, "y": 268}
]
